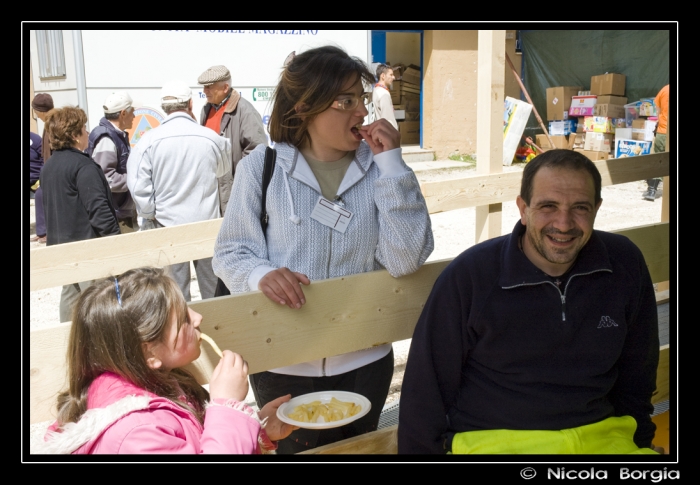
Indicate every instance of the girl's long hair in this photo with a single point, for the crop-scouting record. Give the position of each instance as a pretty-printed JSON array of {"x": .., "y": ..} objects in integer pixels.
[{"x": 107, "y": 336}]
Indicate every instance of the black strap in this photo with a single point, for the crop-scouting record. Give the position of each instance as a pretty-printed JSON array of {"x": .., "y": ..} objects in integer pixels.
[{"x": 268, "y": 169}]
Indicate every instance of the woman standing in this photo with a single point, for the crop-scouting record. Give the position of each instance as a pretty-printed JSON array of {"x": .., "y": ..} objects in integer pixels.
[
  {"x": 327, "y": 163},
  {"x": 77, "y": 197}
]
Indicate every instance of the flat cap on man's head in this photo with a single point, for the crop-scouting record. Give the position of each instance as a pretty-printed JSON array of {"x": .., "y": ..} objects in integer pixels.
[
  {"x": 42, "y": 102},
  {"x": 175, "y": 92},
  {"x": 213, "y": 75},
  {"x": 117, "y": 101}
]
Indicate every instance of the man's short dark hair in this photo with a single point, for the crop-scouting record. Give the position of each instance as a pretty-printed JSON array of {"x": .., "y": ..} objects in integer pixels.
[
  {"x": 112, "y": 116},
  {"x": 381, "y": 69},
  {"x": 559, "y": 158}
]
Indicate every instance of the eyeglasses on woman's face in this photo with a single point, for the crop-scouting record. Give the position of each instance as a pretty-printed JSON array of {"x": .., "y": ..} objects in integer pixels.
[{"x": 349, "y": 103}]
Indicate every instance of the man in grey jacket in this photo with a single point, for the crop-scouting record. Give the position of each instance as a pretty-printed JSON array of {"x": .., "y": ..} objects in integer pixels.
[
  {"x": 232, "y": 117},
  {"x": 172, "y": 175}
]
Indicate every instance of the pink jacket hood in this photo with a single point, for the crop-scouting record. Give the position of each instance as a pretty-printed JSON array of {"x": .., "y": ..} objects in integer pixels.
[{"x": 123, "y": 418}]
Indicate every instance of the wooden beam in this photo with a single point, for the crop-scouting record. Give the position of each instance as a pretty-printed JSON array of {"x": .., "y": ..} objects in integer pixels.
[
  {"x": 380, "y": 442},
  {"x": 489, "y": 130},
  {"x": 62, "y": 264},
  {"x": 98, "y": 258},
  {"x": 341, "y": 315},
  {"x": 479, "y": 190},
  {"x": 654, "y": 242},
  {"x": 663, "y": 377}
]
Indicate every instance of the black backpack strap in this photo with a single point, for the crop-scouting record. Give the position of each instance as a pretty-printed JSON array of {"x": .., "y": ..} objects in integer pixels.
[{"x": 268, "y": 170}]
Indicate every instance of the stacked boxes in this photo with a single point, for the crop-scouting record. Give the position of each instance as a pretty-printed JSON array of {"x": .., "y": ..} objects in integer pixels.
[
  {"x": 405, "y": 96},
  {"x": 559, "y": 101}
]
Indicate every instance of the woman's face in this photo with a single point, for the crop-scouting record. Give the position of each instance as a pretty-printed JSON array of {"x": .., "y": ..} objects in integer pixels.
[
  {"x": 333, "y": 131},
  {"x": 81, "y": 142}
]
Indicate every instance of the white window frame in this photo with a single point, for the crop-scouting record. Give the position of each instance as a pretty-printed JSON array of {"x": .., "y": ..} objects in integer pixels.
[{"x": 52, "y": 60}]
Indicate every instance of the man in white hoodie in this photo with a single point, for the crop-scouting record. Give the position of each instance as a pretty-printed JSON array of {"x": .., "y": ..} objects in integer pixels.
[{"x": 172, "y": 175}]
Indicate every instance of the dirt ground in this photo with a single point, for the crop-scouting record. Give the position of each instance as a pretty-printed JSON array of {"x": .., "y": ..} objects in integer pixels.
[{"x": 454, "y": 232}]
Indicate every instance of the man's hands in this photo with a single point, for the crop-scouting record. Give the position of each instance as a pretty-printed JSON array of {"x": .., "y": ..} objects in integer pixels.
[
  {"x": 381, "y": 136},
  {"x": 284, "y": 287},
  {"x": 230, "y": 378},
  {"x": 276, "y": 429}
]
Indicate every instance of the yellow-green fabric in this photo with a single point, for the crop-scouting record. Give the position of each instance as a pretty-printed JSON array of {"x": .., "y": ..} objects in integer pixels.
[{"x": 612, "y": 436}]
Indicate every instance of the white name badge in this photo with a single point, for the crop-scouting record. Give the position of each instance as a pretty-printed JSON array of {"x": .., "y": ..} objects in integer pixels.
[{"x": 331, "y": 215}]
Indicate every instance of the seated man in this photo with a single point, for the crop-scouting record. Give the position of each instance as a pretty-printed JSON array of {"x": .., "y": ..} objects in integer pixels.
[{"x": 541, "y": 341}]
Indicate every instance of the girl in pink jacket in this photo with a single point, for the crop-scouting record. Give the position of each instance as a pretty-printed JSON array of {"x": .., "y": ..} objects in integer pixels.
[{"x": 128, "y": 393}]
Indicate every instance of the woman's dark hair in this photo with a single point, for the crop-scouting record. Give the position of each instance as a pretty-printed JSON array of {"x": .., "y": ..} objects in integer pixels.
[
  {"x": 559, "y": 158},
  {"x": 307, "y": 86},
  {"x": 108, "y": 335}
]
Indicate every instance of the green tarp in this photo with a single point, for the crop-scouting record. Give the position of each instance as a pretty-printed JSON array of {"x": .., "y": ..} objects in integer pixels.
[{"x": 570, "y": 57}]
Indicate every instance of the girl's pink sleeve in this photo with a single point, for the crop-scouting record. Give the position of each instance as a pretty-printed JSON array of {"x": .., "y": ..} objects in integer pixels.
[{"x": 230, "y": 427}]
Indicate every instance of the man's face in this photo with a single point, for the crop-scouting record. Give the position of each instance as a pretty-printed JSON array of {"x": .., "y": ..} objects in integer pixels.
[
  {"x": 216, "y": 92},
  {"x": 388, "y": 77},
  {"x": 559, "y": 218},
  {"x": 126, "y": 118}
]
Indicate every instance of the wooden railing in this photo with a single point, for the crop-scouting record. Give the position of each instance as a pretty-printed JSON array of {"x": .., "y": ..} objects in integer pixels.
[{"x": 341, "y": 314}]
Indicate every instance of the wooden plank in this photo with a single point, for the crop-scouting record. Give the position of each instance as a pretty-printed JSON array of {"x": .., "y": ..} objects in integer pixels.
[
  {"x": 98, "y": 258},
  {"x": 380, "y": 442},
  {"x": 107, "y": 256},
  {"x": 663, "y": 377},
  {"x": 489, "y": 130},
  {"x": 477, "y": 190},
  {"x": 341, "y": 315},
  {"x": 654, "y": 242}
]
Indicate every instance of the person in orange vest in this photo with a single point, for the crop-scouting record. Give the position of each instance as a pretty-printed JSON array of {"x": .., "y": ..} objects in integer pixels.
[{"x": 661, "y": 101}]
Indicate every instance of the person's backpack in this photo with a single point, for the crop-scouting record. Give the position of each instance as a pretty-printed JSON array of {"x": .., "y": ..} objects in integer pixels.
[{"x": 268, "y": 169}]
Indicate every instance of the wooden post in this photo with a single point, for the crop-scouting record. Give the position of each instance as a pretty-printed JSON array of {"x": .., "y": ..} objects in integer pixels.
[
  {"x": 489, "y": 128},
  {"x": 666, "y": 201}
]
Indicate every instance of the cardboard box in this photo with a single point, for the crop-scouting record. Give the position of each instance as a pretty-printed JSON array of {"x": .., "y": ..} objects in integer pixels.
[
  {"x": 594, "y": 156},
  {"x": 515, "y": 116},
  {"x": 601, "y": 124},
  {"x": 582, "y": 105},
  {"x": 608, "y": 84},
  {"x": 410, "y": 132},
  {"x": 404, "y": 87},
  {"x": 395, "y": 96},
  {"x": 607, "y": 99},
  {"x": 400, "y": 114},
  {"x": 564, "y": 127},
  {"x": 599, "y": 142},
  {"x": 609, "y": 110},
  {"x": 642, "y": 129},
  {"x": 560, "y": 141},
  {"x": 623, "y": 133},
  {"x": 559, "y": 101},
  {"x": 411, "y": 102},
  {"x": 631, "y": 148},
  {"x": 411, "y": 74},
  {"x": 577, "y": 140},
  {"x": 580, "y": 124}
]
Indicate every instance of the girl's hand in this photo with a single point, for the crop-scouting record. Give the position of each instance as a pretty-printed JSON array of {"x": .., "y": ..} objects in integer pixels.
[
  {"x": 230, "y": 378},
  {"x": 381, "y": 136},
  {"x": 276, "y": 429},
  {"x": 283, "y": 286}
]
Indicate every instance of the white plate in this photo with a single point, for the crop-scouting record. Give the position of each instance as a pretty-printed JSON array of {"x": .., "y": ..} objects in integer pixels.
[{"x": 325, "y": 398}]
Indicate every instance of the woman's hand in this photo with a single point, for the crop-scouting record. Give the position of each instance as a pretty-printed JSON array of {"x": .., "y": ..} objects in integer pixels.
[
  {"x": 230, "y": 378},
  {"x": 381, "y": 136},
  {"x": 276, "y": 429},
  {"x": 283, "y": 286}
]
